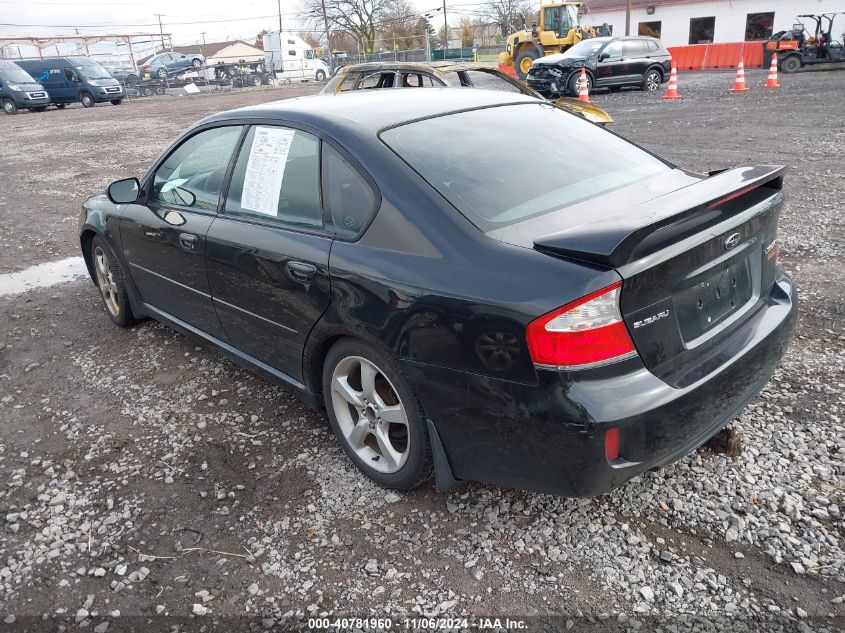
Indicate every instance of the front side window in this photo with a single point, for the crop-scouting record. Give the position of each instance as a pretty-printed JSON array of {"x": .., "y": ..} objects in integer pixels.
[
  {"x": 613, "y": 50},
  {"x": 758, "y": 26},
  {"x": 192, "y": 176},
  {"x": 277, "y": 177},
  {"x": 309, "y": 54},
  {"x": 70, "y": 74},
  {"x": 701, "y": 30},
  {"x": 650, "y": 29},
  {"x": 477, "y": 173}
]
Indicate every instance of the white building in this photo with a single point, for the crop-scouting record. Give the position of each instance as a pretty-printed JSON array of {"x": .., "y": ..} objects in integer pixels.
[{"x": 682, "y": 22}]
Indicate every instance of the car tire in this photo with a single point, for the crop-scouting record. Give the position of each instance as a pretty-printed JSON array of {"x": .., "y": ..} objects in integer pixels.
[
  {"x": 9, "y": 106},
  {"x": 111, "y": 283},
  {"x": 393, "y": 454},
  {"x": 196, "y": 63},
  {"x": 116, "y": 101},
  {"x": 162, "y": 73},
  {"x": 87, "y": 100},
  {"x": 160, "y": 90},
  {"x": 524, "y": 60},
  {"x": 320, "y": 75},
  {"x": 255, "y": 80},
  {"x": 573, "y": 83},
  {"x": 790, "y": 64},
  {"x": 652, "y": 80}
]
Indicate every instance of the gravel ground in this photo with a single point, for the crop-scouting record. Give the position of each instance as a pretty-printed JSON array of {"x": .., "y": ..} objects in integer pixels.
[{"x": 147, "y": 482}]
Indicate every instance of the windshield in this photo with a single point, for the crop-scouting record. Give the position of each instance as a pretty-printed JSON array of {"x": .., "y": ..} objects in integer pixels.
[
  {"x": 10, "y": 71},
  {"x": 585, "y": 48},
  {"x": 476, "y": 172},
  {"x": 91, "y": 70}
]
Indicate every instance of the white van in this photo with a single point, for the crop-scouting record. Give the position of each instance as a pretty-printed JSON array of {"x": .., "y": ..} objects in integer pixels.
[{"x": 291, "y": 57}]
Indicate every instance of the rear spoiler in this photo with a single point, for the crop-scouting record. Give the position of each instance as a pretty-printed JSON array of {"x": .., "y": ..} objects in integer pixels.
[{"x": 622, "y": 236}]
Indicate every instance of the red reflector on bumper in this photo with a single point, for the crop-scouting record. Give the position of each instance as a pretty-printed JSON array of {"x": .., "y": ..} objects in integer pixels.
[{"x": 611, "y": 444}]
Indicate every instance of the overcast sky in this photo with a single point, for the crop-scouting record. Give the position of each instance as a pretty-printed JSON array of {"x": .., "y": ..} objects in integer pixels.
[{"x": 221, "y": 20}]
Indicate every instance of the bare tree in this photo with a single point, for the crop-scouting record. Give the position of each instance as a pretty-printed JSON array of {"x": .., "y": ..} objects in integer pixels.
[
  {"x": 509, "y": 15},
  {"x": 398, "y": 25},
  {"x": 358, "y": 18},
  {"x": 309, "y": 39}
]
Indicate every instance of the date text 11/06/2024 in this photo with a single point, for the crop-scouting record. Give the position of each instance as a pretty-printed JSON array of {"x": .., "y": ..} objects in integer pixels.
[{"x": 421, "y": 624}]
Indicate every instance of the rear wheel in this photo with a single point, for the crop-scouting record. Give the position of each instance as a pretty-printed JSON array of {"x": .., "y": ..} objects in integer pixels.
[
  {"x": 196, "y": 63},
  {"x": 375, "y": 415},
  {"x": 790, "y": 64},
  {"x": 320, "y": 76},
  {"x": 162, "y": 73},
  {"x": 524, "y": 60},
  {"x": 87, "y": 100},
  {"x": 652, "y": 79},
  {"x": 111, "y": 283},
  {"x": 9, "y": 106}
]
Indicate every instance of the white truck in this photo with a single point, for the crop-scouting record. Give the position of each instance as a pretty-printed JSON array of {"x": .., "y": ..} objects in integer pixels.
[{"x": 290, "y": 57}]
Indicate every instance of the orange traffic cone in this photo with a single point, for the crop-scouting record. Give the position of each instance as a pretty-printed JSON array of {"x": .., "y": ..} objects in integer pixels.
[
  {"x": 583, "y": 90},
  {"x": 672, "y": 88},
  {"x": 772, "y": 81},
  {"x": 739, "y": 83}
]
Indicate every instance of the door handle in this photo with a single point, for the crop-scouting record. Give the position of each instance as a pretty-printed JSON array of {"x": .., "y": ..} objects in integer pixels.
[
  {"x": 188, "y": 241},
  {"x": 300, "y": 271}
]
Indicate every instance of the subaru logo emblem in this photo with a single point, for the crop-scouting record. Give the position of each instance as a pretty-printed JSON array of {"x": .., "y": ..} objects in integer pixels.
[{"x": 732, "y": 241}]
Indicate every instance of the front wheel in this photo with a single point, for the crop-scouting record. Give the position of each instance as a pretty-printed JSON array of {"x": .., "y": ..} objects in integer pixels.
[
  {"x": 375, "y": 415},
  {"x": 790, "y": 64},
  {"x": 651, "y": 81},
  {"x": 87, "y": 100},
  {"x": 574, "y": 82},
  {"x": 162, "y": 73},
  {"x": 320, "y": 75},
  {"x": 111, "y": 283},
  {"x": 524, "y": 61},
  {"x": 116, "y": 101},
  {"x": 196, "y": 63},
  {"x": 9, "y": 106}
]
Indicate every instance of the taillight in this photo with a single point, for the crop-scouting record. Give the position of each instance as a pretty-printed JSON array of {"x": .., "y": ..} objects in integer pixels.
[
  {"x": 611, "y": 444},
  {"x": 585, "y": 332}
]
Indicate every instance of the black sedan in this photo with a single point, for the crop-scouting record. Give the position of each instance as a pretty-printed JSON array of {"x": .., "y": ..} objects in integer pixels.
[
  {"x": 609, "y": 62},
  {"x": 455, "y": 310}
]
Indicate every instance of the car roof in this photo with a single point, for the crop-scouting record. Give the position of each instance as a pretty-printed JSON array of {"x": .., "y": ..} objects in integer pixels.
[
  {"x": 413, "y": 66},
  {"x": 370, "y": 111}
]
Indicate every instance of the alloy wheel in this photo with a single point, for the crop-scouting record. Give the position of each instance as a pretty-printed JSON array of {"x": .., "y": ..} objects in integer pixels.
[
  {"x": 652, "y": 82},
  {"x": 370, "y": 414},
  {"x": 106, "y": 282}
]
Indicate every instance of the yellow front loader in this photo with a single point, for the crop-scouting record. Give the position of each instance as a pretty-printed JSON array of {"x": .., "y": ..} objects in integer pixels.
[{"x": 558, "y": 30}]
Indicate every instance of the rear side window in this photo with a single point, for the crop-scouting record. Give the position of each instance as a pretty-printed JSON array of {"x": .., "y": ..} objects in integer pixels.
[
  {"x": 652, "y": 46},
  {"x": 347, "y": 195},
  {"x": 477, "y": 173},
  {"x": 277, "y": 177},
  {"x": 632, "y": 48}
]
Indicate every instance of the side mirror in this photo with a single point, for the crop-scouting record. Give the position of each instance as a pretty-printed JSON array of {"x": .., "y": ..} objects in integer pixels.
[
  {"x": 124, "y": 191},
  {"x": 603, "y": 57}
]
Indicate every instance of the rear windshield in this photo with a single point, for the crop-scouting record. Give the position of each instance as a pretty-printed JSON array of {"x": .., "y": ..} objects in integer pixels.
[
  {"x": 502, "y": 165},
  {"x": 10, "y": 71}
]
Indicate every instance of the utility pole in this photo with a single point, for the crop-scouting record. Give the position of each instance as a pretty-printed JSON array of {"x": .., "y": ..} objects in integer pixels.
[
  {"x": 203, "y": 38},
  {"x": 280, "y": 18},
  {"x": 446, "y": 31},
  {"x": 160, "y": 28},
  {"x": 328, "y": 39},
  {"x": 628, "y": 17}
]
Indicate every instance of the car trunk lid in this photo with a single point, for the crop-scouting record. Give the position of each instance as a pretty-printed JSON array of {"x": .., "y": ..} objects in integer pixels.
[{"x": 695, "y": 262}]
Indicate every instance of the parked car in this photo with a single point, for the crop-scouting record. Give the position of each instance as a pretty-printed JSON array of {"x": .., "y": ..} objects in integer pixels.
[
  {"x": 439, "y": 74},
  {"x": 560, "y": 328},
  {"x": 166, "y": 65},
  {"x": 126, "y": 76},
  {"x": 19, "y": 90},
  {"x": 610, "y": 62},
  {"x": 71, "y": 79}
]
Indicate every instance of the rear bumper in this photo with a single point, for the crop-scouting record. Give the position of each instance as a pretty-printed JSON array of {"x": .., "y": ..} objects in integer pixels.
[{"x": 549, "y": 437}]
